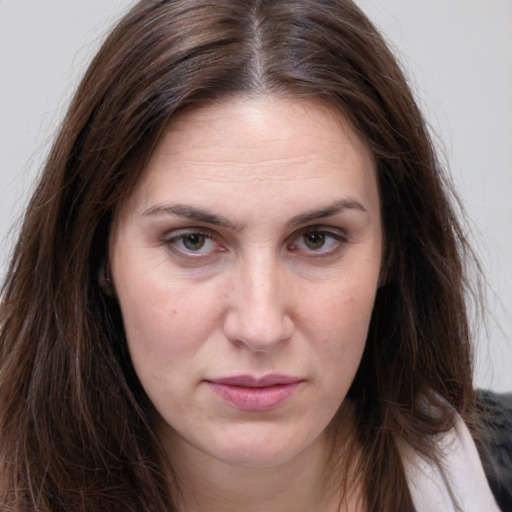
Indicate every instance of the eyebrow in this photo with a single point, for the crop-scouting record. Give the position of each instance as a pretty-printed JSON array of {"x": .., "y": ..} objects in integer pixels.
[
  {"x": 191, "y": 212},
  {"x": 327, "y": 211}
]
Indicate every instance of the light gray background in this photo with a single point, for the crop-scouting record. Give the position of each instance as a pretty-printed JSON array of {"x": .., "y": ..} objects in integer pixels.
[{"x": 458, "y": 54}]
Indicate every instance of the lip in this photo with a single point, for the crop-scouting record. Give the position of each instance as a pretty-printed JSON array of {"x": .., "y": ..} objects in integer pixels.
[{"x": 255, "y": 394}]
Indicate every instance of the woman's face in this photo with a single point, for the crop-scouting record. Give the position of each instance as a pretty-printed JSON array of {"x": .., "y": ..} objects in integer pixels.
[{"x": 246, "y": 264}]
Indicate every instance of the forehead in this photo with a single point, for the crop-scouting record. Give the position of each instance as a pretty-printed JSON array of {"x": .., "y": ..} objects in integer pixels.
[
  {"x": 258, "y": 146},
  {"x": 248, "y": 126}
]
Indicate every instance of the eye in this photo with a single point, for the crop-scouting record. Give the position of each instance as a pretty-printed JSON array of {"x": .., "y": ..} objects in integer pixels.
[
  {"x": 317, "y": 240},
  {"x": 195, "y": 243},
  {"x": 314, "y": 240}
]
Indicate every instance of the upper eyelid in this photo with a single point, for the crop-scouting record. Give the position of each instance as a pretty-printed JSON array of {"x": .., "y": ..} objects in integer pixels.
[
  {"x": 212, "y": 233},
  {"x": 177, "y": 233},
  {"x": 323, "y": 229},
  {"x": 335, "y": 231}
]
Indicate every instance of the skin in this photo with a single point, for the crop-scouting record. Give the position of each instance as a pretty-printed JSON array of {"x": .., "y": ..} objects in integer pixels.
[{"x": 271, "y": 289}]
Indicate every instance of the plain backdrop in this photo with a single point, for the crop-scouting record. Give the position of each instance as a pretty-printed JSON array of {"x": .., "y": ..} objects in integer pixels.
[{"x": 457, "y": 53}]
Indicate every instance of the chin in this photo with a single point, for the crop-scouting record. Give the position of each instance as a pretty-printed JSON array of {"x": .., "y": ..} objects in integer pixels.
[
  {"x": 255, "y": 457},
  {"x": 258, "y": 451}
]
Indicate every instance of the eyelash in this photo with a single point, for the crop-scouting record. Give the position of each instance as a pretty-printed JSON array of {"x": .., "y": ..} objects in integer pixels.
[{"x": 339, "y": 240}]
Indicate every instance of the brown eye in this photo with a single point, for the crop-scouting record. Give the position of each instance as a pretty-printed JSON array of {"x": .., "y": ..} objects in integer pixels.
[
  {"x": 317, "y": 242},
  {"x": 314, "y": 240},
  {"x": 194, "y": 242}
]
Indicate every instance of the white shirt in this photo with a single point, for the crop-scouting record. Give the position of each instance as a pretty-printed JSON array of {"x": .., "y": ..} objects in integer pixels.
[{"x": 459, "y": 482}]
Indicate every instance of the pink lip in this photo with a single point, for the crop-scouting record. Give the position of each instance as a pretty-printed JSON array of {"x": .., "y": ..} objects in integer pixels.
[{"x": 249, "y": 393}]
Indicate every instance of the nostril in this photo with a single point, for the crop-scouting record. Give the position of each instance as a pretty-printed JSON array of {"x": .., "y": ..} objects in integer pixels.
[{"x": 258, "y": 336}]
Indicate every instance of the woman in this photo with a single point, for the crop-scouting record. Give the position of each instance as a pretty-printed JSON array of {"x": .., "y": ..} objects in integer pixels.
[{"x": 240, "y": 283}]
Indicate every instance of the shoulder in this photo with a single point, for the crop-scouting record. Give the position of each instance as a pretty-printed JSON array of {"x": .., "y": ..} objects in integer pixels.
[{"x": 494, "y": 443}]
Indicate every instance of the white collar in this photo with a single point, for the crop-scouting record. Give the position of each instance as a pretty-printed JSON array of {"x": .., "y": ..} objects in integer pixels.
[{"x": 458, "y": 485}]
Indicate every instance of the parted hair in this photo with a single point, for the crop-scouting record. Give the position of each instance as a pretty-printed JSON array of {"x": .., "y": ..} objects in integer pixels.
[{"x": 75, "y": 425}]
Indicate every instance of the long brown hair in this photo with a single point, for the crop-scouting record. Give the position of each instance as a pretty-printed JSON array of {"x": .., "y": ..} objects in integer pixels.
[{"x": 75, "y": 432}]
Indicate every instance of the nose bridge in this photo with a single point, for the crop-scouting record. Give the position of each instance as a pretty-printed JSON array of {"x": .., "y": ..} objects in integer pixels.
[{"x": 259, "y": 317}]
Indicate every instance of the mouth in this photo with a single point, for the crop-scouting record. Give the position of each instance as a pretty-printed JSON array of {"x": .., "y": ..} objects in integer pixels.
[{"x": 255, "y": 394}]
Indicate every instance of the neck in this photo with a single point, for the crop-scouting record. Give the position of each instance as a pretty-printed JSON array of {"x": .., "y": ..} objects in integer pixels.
[
  {"x": 221, "y": 487},
  {"x": 311, "y": 481}
]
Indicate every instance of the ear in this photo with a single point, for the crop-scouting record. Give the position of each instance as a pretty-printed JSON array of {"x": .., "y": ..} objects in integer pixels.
[
  {"x": 383, "y": 275},
  {"x": 105, "y": 281},
  {"x": 385, "y": 266}
]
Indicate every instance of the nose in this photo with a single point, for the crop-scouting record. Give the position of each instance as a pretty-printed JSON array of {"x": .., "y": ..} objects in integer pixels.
[{"x": 259, "y": 317}]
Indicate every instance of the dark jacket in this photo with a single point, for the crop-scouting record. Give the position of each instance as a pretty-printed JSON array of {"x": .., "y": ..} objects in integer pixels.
[{"x": 494, "y": 443}]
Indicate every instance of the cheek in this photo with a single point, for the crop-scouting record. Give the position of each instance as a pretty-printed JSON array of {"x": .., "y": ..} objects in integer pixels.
[
  {"x": 339, "y": 324},
  {"x": 160, "y": 326},
  {"x": 164, "y": 324},
  {"x": 165, "y": 341}
]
